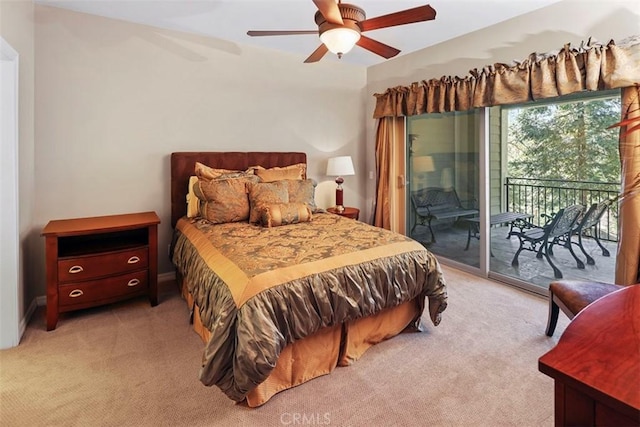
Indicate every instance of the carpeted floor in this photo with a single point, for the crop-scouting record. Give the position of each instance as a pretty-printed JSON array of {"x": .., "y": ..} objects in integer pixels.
[{"x": 128, "y": 364}]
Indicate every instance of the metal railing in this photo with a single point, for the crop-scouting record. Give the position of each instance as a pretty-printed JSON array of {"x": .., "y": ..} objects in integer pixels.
[{"x": 548, "y": 196}]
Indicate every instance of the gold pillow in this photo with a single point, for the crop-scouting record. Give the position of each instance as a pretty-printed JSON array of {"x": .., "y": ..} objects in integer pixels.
[
  {"x": 203, "y": 171},
  {"x": 297, "y": 171},
  {"x": 224, "y": 200},
  {"x": 193, "y": 202},
  {"x": 263, "y": 193},
  {"x": 303, "y": 191},
  {"x": 275, "y": 215}
]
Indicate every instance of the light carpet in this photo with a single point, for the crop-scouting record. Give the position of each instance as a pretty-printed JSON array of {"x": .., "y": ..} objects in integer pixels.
[{"x": 128, "y": 364}]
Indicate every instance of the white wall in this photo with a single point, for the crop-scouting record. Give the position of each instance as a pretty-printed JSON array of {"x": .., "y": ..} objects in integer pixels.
[
  {"x": 114, "y": 99},
  {"x": 547, "y": 29},
  {"x": 17, "y": 28}
]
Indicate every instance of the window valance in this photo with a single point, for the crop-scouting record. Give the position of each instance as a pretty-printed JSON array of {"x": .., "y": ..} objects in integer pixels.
[{"x": 591, "y": 66}]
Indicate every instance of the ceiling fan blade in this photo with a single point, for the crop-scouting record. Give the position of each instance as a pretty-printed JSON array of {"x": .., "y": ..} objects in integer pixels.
[
  {"x": 317, "y": 54},
  {"x": 376, "y": 47},
  {"x": 280, "y": 33},
  {"x": 409, "y": 16},
  {"x": 330, "y": 10}
]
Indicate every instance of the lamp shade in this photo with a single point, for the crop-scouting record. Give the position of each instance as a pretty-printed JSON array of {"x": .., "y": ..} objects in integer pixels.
[
  {"x": 340, "y": 40},
  {"x": 423, "y": 164},
  {"x": 340, "y": 166}
]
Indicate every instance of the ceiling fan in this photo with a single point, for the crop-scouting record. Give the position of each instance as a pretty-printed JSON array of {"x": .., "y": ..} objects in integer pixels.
[{"x": 340, "y": 26}]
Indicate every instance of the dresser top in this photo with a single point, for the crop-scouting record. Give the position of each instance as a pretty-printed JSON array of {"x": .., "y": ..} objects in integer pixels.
[
  {"x": 599, "y": 352},
  {"x": 77, "y": 226}
]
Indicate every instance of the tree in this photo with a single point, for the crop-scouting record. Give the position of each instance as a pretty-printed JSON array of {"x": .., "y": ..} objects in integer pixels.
[{"x": 565, "y": 141}]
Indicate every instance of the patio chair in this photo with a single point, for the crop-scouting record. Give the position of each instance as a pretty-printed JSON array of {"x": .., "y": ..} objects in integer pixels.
[
  {"x": 557, "y": 230},
  {"x": 437, "y": 203},
  {"x": 572, "y": 296},
  {"x": 590, "y": 221}
]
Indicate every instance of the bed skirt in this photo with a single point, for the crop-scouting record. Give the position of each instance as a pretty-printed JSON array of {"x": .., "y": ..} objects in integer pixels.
[{"x": 320, "y": 353}]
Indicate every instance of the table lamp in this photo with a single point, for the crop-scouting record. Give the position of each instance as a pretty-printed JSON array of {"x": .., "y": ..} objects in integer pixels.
[
  {"x": 422, "y": 164},
  {"x": 339, "y": 167},
  {"x": 446, "y": 180}
]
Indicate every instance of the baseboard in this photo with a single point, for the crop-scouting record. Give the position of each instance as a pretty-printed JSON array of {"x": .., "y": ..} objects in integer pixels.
[
  {"x": 42, "y": 300},
  {"x": 167, "y": 277}
]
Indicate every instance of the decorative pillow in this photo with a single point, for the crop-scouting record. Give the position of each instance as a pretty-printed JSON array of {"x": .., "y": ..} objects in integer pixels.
[
  {"x": 193, "y": 202},
  {"x": 224, "y": 200},
  {"x": 275, "y": 215},
  {"x": 266, "y": 193},
  {"x": 303, "y": 191},
  {"x": 297, "y": 171},
  {"x": 205, "y": 172}
]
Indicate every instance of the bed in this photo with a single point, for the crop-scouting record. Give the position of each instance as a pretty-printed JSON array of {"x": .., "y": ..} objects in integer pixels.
[{"x": 292, "y": 292}]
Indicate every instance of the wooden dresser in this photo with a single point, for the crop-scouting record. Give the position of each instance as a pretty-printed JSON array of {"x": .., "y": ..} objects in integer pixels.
[
  {"x": 100, "y": 260},
  {"x": 596, "y": 364}
]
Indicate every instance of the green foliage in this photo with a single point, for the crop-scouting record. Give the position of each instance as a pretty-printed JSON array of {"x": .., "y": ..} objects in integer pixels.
[{"x": 565, "y": 141}]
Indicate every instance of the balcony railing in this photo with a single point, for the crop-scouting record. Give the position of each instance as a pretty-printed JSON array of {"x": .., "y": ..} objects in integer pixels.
[{"x": 547, "y": 196}]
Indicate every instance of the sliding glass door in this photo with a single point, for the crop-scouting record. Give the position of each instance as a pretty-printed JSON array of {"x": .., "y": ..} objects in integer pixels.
[
  {"x": 443, "y": 184},
  {"x": 548, "y": 158},
  {"x": 483, "y": 184}
]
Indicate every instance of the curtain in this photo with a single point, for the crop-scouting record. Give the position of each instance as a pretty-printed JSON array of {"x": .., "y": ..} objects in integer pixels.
[
  {"x": 628, "y": 259},
  {"x": 591, "y": 66},
  {"x": 390, "y": 131},
  {"x": 588, "y": 67}
]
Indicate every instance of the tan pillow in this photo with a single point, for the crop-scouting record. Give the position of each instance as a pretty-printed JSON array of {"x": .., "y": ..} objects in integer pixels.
[
  {"x": 263, "y": 193},
  {"x": 275, "y": 215},
  {"x": 193, "y": 202},
  {"x": 224, "y": 200},
  {"x": 303, "y": 191},
  {"x": 203, "y": 171},
  {"x": 297, "y": 171}
]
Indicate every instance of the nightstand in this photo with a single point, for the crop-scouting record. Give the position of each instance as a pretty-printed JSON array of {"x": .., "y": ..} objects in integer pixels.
[
  {"x": 352, "y": 213},
  {"x": 100, "y": 260}
]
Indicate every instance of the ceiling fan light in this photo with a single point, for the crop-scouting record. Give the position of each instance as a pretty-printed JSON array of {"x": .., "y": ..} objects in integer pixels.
[{"x": 340, "y": 40}]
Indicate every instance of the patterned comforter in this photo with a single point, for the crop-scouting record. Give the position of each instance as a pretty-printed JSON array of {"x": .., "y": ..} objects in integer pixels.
[{"x": 258, "y": 289}]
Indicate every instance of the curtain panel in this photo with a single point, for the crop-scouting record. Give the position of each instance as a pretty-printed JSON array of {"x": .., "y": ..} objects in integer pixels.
[
  {"x": 591, "y": 66},
  {"x": 389, "y": 136},
  {"x": 628, "y": 258}
]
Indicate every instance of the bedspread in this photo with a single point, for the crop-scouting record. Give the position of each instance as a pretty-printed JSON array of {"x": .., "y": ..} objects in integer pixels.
[{"x": 259, "y": 289}]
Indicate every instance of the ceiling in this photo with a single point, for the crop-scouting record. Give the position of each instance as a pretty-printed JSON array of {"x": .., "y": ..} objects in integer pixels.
[{"x": 231, "y": 19}]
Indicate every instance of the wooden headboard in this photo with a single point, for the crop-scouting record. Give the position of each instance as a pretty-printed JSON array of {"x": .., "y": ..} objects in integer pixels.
[{"x": 183, "y": 164}]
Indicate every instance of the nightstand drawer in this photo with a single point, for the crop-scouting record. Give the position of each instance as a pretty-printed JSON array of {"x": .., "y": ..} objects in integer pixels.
[
  {"x": 105, "y": 264},
  {"x": 106, "y": 290}
]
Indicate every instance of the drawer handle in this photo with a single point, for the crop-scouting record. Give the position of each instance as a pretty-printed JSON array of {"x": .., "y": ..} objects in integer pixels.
[
  {"x": 76, "y": 269},
  {"x": 133, "y": 260},
  {"x": 76, "y": 293},
  {"x": 133, "y": 282}
]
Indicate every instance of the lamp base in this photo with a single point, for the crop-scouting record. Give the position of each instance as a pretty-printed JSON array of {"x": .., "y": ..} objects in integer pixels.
[{"x": 339, "y": 199}]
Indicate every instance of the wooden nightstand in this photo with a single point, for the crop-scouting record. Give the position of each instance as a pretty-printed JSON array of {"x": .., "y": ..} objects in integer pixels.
[
  {"x": 100, "y": 260},
  {"x": 352, "y": 213}
]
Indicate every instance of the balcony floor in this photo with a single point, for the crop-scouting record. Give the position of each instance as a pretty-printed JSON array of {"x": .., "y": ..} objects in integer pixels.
[{"x": 451, "y": 241}]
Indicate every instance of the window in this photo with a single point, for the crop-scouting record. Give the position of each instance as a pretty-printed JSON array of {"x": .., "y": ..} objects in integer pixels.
[
  {"x": 559, "y": 153},
  {"x": 444, "y": 182}
]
